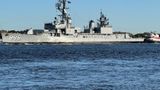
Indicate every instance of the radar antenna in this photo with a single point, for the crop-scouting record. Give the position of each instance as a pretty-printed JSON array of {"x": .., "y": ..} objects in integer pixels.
[{"x": 104, "y": 21}]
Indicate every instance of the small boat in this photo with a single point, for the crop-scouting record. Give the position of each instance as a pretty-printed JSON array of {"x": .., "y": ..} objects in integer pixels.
[{"x": 152, "y": 38}]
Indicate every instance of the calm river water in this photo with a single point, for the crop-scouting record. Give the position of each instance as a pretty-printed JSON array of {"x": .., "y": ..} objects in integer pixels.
[{"x": 80, "y": 67}]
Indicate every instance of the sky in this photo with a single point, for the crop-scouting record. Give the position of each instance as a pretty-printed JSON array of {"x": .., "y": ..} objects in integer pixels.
[{"x": 133, "y": 16}]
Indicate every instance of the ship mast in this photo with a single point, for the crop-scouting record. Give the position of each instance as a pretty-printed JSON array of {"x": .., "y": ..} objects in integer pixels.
[
  {"x": 62, "y": 7},
  {"x": 62, "y": 24},
  {"x": 104, "y": 21}
]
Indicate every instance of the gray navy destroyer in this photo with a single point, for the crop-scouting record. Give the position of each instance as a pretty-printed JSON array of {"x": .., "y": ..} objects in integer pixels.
[{"x": 61, "y": 30}]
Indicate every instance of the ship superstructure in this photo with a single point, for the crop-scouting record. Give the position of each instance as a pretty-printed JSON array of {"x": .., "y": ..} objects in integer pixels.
[
  {"x": 61, "y": 30},
  {"x": 63, "y": 23}
]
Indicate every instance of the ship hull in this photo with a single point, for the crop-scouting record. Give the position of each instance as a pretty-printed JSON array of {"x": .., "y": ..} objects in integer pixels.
[{"x": 81, "y": 38}]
